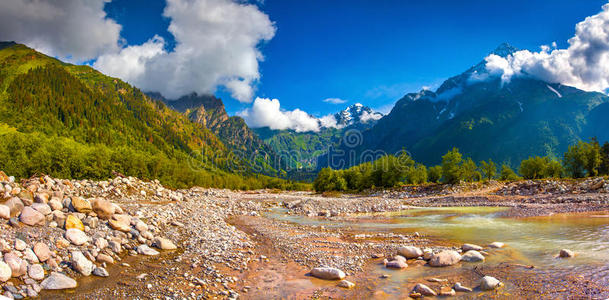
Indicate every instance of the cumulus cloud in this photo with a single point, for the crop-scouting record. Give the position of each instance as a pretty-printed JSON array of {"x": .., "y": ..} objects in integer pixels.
[
  {"x": 366, "y": 116},
  {"x": 335, "y": 100},
  {"x": 268, "y": 113},
  {"x": 216, "y": 45},
  {"x": 584, "y": 64},
  {"x": 72, "y": 30}
]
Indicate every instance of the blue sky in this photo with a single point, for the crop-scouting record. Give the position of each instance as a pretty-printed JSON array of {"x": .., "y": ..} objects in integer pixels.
[{"x": 373, "y": 52}]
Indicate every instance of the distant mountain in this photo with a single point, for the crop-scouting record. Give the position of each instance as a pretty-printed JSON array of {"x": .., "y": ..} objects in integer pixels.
[
  {"x": 485, "y": 118},
  {"x": 357, "y": 115},
  {"x": 209, "y": 111},
  {"x": 72, "y": 121},
  {"x": 301, "y": 149}
]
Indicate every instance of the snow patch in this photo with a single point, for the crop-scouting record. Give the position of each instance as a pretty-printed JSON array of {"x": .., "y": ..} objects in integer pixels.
[{"x": 554, "y": 90}]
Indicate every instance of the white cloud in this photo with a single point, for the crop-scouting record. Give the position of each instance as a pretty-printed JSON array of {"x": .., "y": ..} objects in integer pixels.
[
  {"x": 216, "y": 45},
  {"x": 584, "y": 64},
  {"x": 268, "y": 113},
  {"x": 73, "y": 30},
  {"x": 335, "y": 100},
  {"x": 366, "y": 116}
]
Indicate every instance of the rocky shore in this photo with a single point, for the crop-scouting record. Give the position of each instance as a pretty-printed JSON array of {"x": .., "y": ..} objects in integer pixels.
[{"x": 128, "y": 238}]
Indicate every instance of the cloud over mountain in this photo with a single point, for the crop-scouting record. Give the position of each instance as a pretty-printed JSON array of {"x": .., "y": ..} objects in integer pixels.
[
  {"x": 216, "y": 45},
  {"x": 584, "y": 64},
  {"x": 72, "y": 30},
  {"x": 268, "y": 113}
]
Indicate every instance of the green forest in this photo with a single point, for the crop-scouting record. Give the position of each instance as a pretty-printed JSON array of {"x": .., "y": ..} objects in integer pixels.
[
  {"x": 584, "y": 159},
  {"x": 73, "y": 122}
]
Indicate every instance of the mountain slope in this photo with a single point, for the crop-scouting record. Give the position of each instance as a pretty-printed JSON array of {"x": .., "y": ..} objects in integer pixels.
[
  {"x": 485, "y": 118},
  {"x": 209, "y": 111},
  {"x": 74, "y": 122},
  {"x": 301, "y": 149}
]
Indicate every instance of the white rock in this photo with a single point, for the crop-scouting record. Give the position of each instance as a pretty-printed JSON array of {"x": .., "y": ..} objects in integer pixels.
[
  {"x": 20, "y": 245},
  {"x": 5, "y": 212},
  {"x": 467, "y": 247},
  {"x": 346, "y": 284},
  {"x": 81, "y": 264},
  {"x": 424, "y": 290},
  {"x": 472, "y": 256},
  {"x": 328, "y": 273},
  {"x": 35, "y": 272},
  {"x": 101, "y": 272},
  {"x": 5, "y": 272},
  {"x": 410, "y": 251},
  {"x": 145, "y": 250},
  {"x": 489, "y": 283},
  {"x": 76, "y": 236},
  {"x": 496, "y": 245}
]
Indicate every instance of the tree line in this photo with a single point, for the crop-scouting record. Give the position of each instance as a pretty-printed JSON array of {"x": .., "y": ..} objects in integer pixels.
[{"x": 583, "y": 159}]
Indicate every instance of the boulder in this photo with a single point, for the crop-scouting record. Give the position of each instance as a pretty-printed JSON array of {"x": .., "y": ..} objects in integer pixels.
[
  {"x": 444, "y": 258},
  {"x": 446, "y": 291},
  {"x": 120, "y": 222},
  {"x": 15, "y": 205},
  {"x": 145, "y": 250},
  {"x": 81, "y": 264},
  {"x": 5, "y": 272},
  {"x": 58, "y": 281},
  {"x": 496, "y": 245},
  {"x": 103, "y": 208},
  {"x": 410, "y": 251},
  {"x": 42, "y": 198},
  {"x": 35, "y": 272},
  {"x": 566, "y": 253},
  {"x": 42, "y": 251},
  {"x": 76, "y": 236},
  {"x": 81, "y": 205},
  {"x": 101, "y": 272},
  {"x": 42, "y": 208},
  {"x": 73, "y": 222},
  {"x": 346, "y": 284},
  {"x": 18, "y": 266},
  {"x": 27, "y": 197},
  {"x": 31, "y": 216},
  {"x": 328, "y": 273},
  {"x": 467, "y": 247},
  {"x": 397, "y": 264},
  {"x": 472, "y": 256},
  {"x": 164, "y": 244},
  {"x": 5, "y": 212},
  {"x": 488, "y": 283},
  {"x": 461, "y": 288},
  {"x": 424, "y": 290}
]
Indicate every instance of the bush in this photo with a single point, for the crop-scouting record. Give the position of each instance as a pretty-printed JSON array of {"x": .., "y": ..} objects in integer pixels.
[
  {"x": 508, "y": 174},
  {"x": 583, "y": 159},
  {"x": 434, "y": 174}
]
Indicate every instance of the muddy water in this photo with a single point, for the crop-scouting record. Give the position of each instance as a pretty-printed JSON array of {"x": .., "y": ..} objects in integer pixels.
[{"x": 529, "y": 241}]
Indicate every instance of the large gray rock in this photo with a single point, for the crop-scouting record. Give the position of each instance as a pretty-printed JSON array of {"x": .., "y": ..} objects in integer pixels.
[
  {"x": 58, "y": 281},
  {"x": 444, "y": 258},
  {"x": 488, "y": 283},
  {"x": 76, "y": 236},
  {"x": 328, "y": 273},
  {"x": 410, "y": 251},
  {"x": 472, "y": 256},
  {"x": 81, "y": 264},
  {"x": 31, "y": 216}
]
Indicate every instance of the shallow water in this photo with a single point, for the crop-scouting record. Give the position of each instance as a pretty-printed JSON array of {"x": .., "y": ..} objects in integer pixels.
[{"x": 529, "y": 241}]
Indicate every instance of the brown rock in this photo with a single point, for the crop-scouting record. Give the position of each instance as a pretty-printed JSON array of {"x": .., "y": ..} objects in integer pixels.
[
  {"x": 42, "y": 251},
  {"x": 81, "y": 205},
  {"x": 15, "y": 205},
  {"x": 103, "y": 208},
  {"x": 120, "y": 222},
  {"x": 73, "y": 222}
]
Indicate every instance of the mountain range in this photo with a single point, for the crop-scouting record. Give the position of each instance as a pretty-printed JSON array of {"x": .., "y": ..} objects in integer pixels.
[{"x": 485, "y": 118}]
